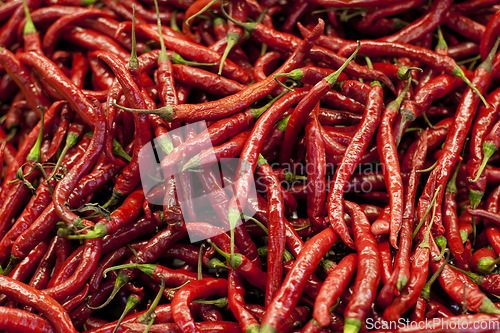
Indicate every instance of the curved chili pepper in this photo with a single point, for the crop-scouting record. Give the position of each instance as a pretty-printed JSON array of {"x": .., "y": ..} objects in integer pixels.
[
  {"x": 482, "y": 126},
  {"x": 425, "y": 56},
  {"x": 236, "y": 292},
  {"x": 42, "y": 225},
  {"x": 389, "y": 158},
  {"x": 208, "y": 157},
  {"x": 23, "y": 321},
  {"x": 368, "y": 267},
  {"x": 453, "y": 283},
  {"x": 229, "y": 105},
  {"x": 288, "y": 295},
  {"x": 350, "y": 160},
  {"x": 305, "y": 106},
  {"x": 426, "y": 23},
  {"x": 79, "y": 103},
  {"x": 196, "y": 289},
  {"x": 490, "y": 36},
  {"x": 120, "y": 217},
  {"x": 332, "y": 287},
  {"x": 54, "y": 31},
  {"x": 252, "y": 147},
  {"x": 40, "y": 301},
  {"x": 316, "y": 182}
]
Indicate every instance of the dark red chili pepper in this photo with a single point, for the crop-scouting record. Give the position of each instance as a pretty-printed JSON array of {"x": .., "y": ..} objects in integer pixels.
[
  {"x": 196, "y": 289},
  {"x": 350, "y": 160},
  {"x": 53, "y": 33},
  {"x": 482, "y": 126},
  {"x": 464, "y": 25},
  {"x": 120, "y": 217},
  {"x": 368, "y": 268},
  {"x": 455, "y": 139},
  {"x": 426, "y": 23},
  {"x": 253, "y": 145},
  {"x": 425, "y": 56},
  {"x": 42, "y": 225},
  {"x": 276, "y": 226},
  {"x": 79, "y": 103},
  {"x": 41, "y": 275},
  {"x": 316, "y": 183},
  {"x": 130, "y": 176},
  {"x": 388, "y": 154},
  {"x": 458, "y": 286},
  {"x": 26, "y": 267},
  {"x": 172, "y": 277},
  {"x": 29, "y": 86},
  {"x": 236, "y": 292},
  {"x": 490, "y": 35},
  {"x": 76, "y": 299},
  {"x": 208, "y": 157},
  {"x": 288, "y": 42}
]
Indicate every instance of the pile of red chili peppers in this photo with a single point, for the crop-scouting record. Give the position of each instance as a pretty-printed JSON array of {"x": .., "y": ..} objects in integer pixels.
[{"x": 368, "y": 128}]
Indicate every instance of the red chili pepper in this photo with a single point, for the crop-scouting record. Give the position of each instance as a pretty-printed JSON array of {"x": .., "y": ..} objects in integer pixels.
[
  {"x": 288, "y": 295},
  {"x": 482, "y": 126},
  {"x": 332, "y": 287},
  {"x": 316, "y": 182},
  {"x": 368, "y": 267},
  {"x": 42, "y": 225},
  {"x": 389, "y": 158},
  {"x": 236, "y": 293},
  {"x": 231, "y": 104},
  {"x": 350, "y": 160},
  {"x": 304, "y": 108},
  {"x": 207, "y": 157},
  {"x": 426, "y": 23},
  {"x": 23, "y": 321},
  {"x": 196, "y": 289},
  {"x": 40, "y": 301},
  {"x": 490, "y": 35}
]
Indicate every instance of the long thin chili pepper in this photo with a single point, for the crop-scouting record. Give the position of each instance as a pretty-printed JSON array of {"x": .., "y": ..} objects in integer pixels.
[
  {"x": 331, "y": 288},
  {"x": 368, "y": 267},
  {"x": 23, "y": 321},
  {"x": 196, "y": 289},
  {"x": 305, "y": 106},
  {"x": 427, "y": 57},
  {"x": 350, "y": 160},
  {"x": 40, "y": 301},
  {"x": 231, "y": 104},
  {"x": 288, "y": 295},
  {"x": 388, "y": 155}
]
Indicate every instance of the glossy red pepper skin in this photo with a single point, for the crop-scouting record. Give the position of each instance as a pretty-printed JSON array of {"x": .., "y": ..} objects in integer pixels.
[
  {"x": 40, "y": 301},
  {"x": 288, "y": 294},
  {"x": 426, "y": 23},
  {"x": 196, "y": 289},
  {"x": 332, "y": 287},
  {"x": 48, "y": 218},
  {"x": 368, "y": 268},
  {"x": 350, "y": 160},
  {"x": 23, "y": 321}
]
